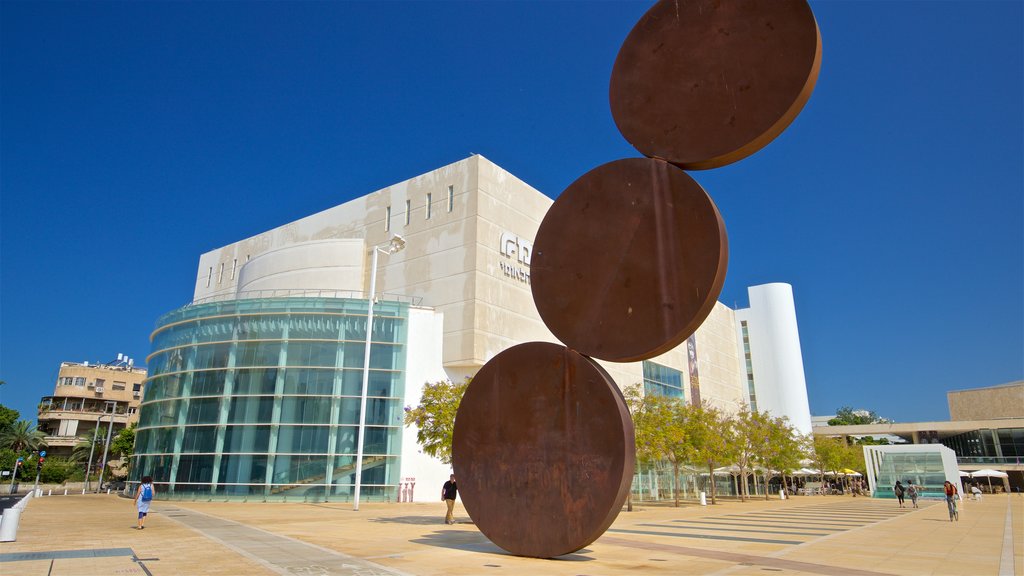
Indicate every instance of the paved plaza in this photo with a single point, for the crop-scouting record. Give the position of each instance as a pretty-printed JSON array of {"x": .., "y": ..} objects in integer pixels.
[{"x": 833, "y": 535}]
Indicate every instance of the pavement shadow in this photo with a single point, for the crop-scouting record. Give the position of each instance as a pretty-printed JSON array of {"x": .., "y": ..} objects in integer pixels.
[
  {"x": 477, "y": 542},
  {"x": 416, "y": 520}
]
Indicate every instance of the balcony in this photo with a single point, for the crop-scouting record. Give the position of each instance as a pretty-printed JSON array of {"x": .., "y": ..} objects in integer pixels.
[{"x": 61, "y": 441}]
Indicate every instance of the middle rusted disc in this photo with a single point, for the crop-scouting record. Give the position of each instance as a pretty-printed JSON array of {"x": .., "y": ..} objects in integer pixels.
[
  {"x": 629, "y": 260},
  {"x": 543, "y": 450}
]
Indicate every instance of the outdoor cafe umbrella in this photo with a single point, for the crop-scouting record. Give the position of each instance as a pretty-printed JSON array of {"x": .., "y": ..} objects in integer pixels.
[
  {"x": 853, "y": 473},
  {"x": 987, "y": 473}
]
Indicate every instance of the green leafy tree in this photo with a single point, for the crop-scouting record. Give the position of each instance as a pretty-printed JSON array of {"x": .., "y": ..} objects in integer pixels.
[
  {"x": 123, "y": 444},
  {"x": 8, "y": 416},
  {"x": 56, "y": 470},
  {"x": 658, "y": 424},
  {"x": 711, "y": 439},
  {"x": 434, "y": 417},
  {"x": 829, "y": 454},
  {"x": 847, "y": 416},
  {"x": 23, "y": 435},
  {"x": 752, "y": 437},
  {"x": 80, "y": 453},
  {"x": 782, "y": 450}
]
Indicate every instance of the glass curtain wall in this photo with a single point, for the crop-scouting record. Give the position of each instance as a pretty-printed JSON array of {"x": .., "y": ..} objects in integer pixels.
[{"x": 259, "y": 399}]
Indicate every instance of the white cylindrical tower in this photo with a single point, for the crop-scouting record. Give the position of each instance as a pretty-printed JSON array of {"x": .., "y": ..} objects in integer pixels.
[{"x": 768, "y": 333}]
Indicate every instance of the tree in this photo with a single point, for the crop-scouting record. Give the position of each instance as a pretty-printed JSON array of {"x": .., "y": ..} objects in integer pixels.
[
  {"x": 652, "y": 419},
  {"x": 8, "y": 416},
  {"x": 847, "y": 416},
  {"x": 711, "y": 438},
  {"x": 782, "y": 450},
  {"x": 23, "y": 435},
  {"x": 434, "y": 418},
  {"x": 86, "y": 446},
  {"x": 829, "y": 454},
  {"x": 123, "y": 444},
  {"x": 752, "y": 435}
]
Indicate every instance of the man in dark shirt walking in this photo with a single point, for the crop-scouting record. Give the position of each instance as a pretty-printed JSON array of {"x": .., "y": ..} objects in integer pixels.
[{"x": 448, "y": 493}]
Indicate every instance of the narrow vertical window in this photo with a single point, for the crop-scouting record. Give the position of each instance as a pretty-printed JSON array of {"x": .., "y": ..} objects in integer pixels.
[
  {"x": 209, "y": 277},
  {"x": 234, "y": 266},
  {"x": 408, "y": 211},
  {"x": 429, "y": 196},
  {"x": 387, "y": 219},
  {"x": 220, "y": 275},
  {"x": 247, "y": 257},
  {"x": 451, "y": 198}
]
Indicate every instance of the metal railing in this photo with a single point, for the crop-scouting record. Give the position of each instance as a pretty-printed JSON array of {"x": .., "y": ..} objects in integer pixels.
[{"x": 303, "y": 293}]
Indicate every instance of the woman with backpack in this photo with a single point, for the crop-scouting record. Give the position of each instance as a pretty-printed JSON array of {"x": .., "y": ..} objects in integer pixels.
[
  {"x": 898, "y": 490},
  {"x": 143, "y": 498}
]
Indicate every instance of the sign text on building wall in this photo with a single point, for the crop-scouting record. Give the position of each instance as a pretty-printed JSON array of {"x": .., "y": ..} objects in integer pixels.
[{"x": 513, "y": 246}]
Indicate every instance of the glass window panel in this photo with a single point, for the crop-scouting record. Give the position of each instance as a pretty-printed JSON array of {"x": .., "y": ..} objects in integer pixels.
[
  {"x": 255, "y": 381},
  {"x": 208, "y": 383},
  {"x": 162, "y": 413},
  {"x": 203, "y": 411},
  {"x": 298, "y": 469},
  {"x": 251, "y": 410},
  {"x": 305, "y": 410},
  {"x": 199, "y": 439},
  {"x": 319, "y": 382},
  {"x": 195, "y": 468},
  {"x": 303, "y": 439},
  {"x": 243, "y": 468},
  {"x": 246, "y": 438},
  {"x": 381, "y": 440},
  {"x": 211, "y": 356}
]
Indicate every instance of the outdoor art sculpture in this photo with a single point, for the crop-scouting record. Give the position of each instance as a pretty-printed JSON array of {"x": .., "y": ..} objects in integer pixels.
[{"x": 628, "y": 262}]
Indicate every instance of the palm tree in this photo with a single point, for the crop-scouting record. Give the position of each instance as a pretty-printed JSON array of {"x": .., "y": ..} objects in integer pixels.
[
  {"x": 81, "y": 451},
  {"x": 23, "y": 435}
]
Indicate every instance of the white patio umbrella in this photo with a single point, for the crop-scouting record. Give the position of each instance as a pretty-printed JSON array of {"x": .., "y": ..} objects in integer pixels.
[{"x": 987, "y": 473}]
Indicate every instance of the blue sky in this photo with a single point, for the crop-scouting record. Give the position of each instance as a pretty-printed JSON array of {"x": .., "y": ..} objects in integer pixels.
[{"x": 135, "y": 136}]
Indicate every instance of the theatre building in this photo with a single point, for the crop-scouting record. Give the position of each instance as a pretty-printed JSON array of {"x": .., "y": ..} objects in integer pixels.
[{"x": 255, "y": 388}]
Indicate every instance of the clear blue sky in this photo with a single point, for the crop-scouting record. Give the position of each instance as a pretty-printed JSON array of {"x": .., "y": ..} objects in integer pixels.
[{"x": 135, "y": 136}]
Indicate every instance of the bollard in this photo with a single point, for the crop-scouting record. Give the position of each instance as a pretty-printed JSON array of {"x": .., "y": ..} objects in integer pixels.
[
  {"x": 83, "y": 491},
  {"x": 108, "y": 491},
  {"x": 9, "y": 524},
  {"x": 65, "y": 491},
  {"x": 39, "y": 492},
  {"x": 703, "y": 499},
  {"x": 782, "y": 494}
]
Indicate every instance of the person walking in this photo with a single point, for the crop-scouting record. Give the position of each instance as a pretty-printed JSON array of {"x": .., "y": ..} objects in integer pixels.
[
  {"x": 898, "y": 490},
  {"x": 912, "y": 492},
  {"x": 143, "y": 498},
  {"x": 951, "y": 493},
  {"x": 448, "y": 493}
]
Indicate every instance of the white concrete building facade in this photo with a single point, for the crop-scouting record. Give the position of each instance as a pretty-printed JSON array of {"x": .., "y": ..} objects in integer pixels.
[{"x": 468, "y": 229}]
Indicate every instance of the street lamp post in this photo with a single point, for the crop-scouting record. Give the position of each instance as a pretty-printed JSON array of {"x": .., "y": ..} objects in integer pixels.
[
  {"x": 95, "y": 431},
  {"x": 396, "y": 244}
]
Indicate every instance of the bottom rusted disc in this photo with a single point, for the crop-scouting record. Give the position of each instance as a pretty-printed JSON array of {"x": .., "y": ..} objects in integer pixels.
[{"x": 543, "y": 450}]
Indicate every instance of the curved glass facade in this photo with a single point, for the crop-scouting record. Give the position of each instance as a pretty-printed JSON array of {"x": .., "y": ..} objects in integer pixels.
[{"x": 259, "y": 399}]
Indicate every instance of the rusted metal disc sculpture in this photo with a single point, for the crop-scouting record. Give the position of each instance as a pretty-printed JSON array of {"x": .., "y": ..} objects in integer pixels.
[
  {"x": 706, "y": 83},
  {"x": 543, "y": 450},
  {"x": 629, "y": 261}
]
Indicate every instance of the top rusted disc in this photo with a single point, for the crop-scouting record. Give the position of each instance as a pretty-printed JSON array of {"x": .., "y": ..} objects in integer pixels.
[
  {"x": 705, "y": 83},
  {"x": 543, "y": 450},
  {"x": 629, "y": 260}
]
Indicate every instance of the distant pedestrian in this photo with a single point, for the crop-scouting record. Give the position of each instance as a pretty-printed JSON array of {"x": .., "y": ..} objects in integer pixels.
[
  {"x": 448, "y": 494},
  {"x": 912, "y": 492},
  {"x": 143, "y": 498},
  {"x": 898, "y": 490},
  {"x": 951, "y": 493}
]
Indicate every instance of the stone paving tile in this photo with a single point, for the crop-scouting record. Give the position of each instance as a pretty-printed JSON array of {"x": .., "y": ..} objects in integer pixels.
[{"x": 411, "y": 539}]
